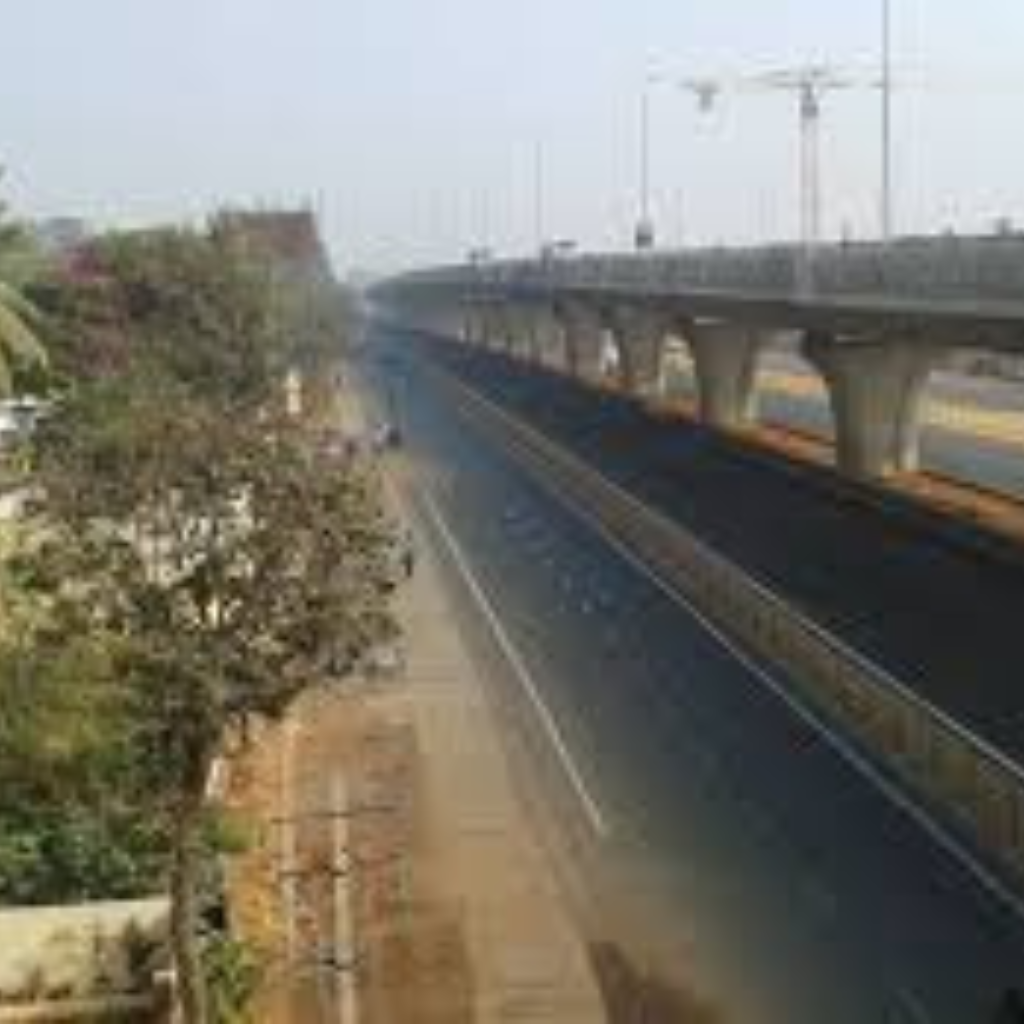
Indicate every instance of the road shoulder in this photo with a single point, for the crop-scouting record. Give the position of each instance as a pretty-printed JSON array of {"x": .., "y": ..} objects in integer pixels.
[{"x": 457, "y": 915}]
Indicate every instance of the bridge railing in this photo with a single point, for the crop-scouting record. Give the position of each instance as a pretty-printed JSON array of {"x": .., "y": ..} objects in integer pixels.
[{"x": 943, "y": 268}]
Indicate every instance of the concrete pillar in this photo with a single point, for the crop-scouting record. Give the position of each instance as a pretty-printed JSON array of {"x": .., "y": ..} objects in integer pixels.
[
  {"x": 483, "y": 321},
  {"x": 640, "y": 335},
  {"x": 549, "y": 338},
  {"x": 725, "y": 365},
  {"x": 583, "y": 329},
  {"x": 442, "y": 319},
  {"x": 522, "y": 321},
  {"x": 503, "y": 326},
  {"x": 449, "y": 322},
  {"x": 875, "y": 390},
  {"x": 472, "y": 333},
  {"x": 461, "y": 323},
  {"x": 493, "y": 327},
  {"x": 475, "y": 325}
]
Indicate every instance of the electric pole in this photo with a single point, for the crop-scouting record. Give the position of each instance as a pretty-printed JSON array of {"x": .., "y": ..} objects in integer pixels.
[
  {"x": 538, "y": 196},
  {"x": 886, "y": 212},
  {"x": 644, "y": 233}
]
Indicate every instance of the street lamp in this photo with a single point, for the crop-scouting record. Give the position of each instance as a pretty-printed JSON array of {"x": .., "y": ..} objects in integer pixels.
[
  {"x": 706, "y": 93},
  {"x": 886, "y": 191},
  {"x": 539, "y": 227},
  {"x": 644, "y": 233}
]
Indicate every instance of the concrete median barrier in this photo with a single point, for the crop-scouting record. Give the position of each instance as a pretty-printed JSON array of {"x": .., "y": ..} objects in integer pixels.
[{"x": 977, "y": 788}]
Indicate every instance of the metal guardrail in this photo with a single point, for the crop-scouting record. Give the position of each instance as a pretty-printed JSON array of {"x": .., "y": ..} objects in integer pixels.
[
  {"x": 979, "y": 269},
  {"x": 980, "y": 787}
]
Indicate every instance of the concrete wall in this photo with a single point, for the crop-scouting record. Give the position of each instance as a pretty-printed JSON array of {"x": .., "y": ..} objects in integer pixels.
[{"x": 79, "y": 951}]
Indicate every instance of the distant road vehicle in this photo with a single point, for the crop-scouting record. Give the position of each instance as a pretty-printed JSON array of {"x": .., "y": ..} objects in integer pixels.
[{"x": 385, "y": 436}]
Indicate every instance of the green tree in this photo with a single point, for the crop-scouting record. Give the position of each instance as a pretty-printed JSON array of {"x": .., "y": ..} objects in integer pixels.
[
  {"x": 20, "y": 346},
  {"x": 227, "y": 560},
  {"x": 72, "y": 824}
]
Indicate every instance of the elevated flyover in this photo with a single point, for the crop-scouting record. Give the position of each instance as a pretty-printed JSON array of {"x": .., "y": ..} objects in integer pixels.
[
  {"x": 930, "y": 631},
  {"x": 874, "y": 321}
]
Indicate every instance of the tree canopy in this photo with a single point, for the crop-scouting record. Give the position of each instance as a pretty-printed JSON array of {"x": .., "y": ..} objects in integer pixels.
[
  {"x": 198, "y": 557},
  {"x": 20, "y": 345}
]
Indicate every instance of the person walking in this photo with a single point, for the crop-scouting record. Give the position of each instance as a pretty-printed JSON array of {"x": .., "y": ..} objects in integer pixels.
[{"x": 408, "y": 554}]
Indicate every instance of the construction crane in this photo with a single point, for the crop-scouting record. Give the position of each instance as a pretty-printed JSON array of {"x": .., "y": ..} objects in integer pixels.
[
  {"x": 706, "y": 90},
  {"x": 810, "y": 85}
]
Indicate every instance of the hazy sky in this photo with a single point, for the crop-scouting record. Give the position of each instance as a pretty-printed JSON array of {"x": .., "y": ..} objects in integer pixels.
[{"x": 417, "y": 123}]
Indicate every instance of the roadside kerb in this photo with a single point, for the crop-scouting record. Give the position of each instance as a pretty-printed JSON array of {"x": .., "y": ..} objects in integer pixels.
[{"x": 980, "y": 786}]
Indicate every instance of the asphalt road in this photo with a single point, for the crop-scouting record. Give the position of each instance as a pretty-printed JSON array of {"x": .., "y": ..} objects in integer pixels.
[
  {"x": 792, "y": 889},
  {"x": 944, "y": 620}
]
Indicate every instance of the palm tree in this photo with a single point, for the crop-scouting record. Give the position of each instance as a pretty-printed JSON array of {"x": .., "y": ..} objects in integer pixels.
[{"x": 20, "y": 346}]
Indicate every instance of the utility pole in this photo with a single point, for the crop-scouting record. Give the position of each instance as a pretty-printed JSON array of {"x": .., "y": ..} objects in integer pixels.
[
  {"x": 344, "y": 928},
  {"x": 886, "y": 213},
  {"x": 484, "y": 227},
  {"x": 644, "y": 234},
  {"x": 810, "y": 85},
  {"x": 289, "y": 842},
  {"x": 810, "y": 162},
  {"x": 538, "y": 196}
]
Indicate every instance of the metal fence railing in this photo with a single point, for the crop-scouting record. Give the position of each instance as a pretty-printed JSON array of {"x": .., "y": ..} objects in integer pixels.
[{"x": 987, "y": 270}]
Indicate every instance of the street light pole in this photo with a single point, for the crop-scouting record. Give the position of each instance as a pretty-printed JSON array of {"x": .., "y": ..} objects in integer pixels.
[
  {"x": 886, "y": 193},
  {"x": 538, "y": 196},
  {"x": 644, "y": 234},
  {"x": 810, "y": 166}
]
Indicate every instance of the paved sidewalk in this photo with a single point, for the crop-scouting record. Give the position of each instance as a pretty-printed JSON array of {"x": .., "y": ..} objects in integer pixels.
[
  {"x": 457, "y": 917},
  {"x": 528, "y": 963}
]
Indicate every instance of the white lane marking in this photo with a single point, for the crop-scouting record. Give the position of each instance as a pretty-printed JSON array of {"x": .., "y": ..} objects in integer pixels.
[
  {"x": 841, "y": 746},
  {"x": 594, "y": 814}
]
